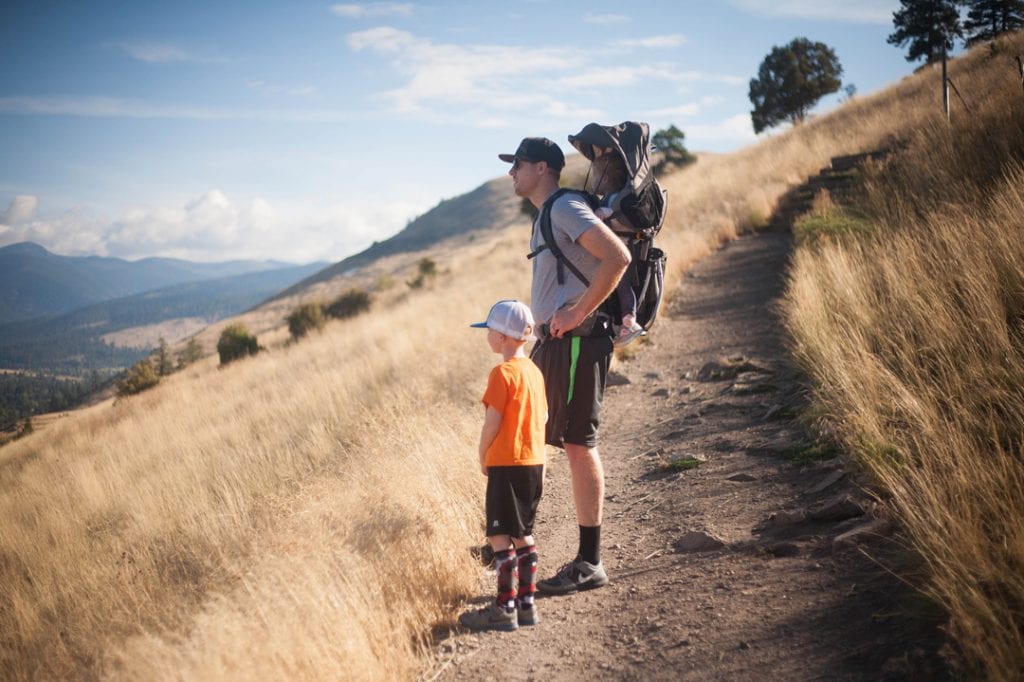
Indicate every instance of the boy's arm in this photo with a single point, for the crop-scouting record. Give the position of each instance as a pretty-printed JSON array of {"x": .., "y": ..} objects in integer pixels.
[{"x": 492, "y": 424}]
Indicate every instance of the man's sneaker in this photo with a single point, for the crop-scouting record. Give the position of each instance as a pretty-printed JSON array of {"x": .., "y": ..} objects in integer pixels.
[
  {"x": 574, "y": 576},
  {"x": 491, "y": 617},
  {"x": 528, "y": 616}
]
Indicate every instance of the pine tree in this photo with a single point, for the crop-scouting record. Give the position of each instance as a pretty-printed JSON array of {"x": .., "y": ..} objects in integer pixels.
[
  {"x": 988, "y": 19},
  {"x": 791, "y": 80},
  {"x": 928, "y": 27},
  {"x": 163, "y": 359}
]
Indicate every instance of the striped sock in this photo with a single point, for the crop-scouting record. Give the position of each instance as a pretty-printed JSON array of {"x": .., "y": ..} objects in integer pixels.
[
  {"x": 505, "y": 567},
  {"x": 526, "y": 560}
]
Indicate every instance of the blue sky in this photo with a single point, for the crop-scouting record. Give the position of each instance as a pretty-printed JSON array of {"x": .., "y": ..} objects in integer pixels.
[{"x": 304, "y": 131}]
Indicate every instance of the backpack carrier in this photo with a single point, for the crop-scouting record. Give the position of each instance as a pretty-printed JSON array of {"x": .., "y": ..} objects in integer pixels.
[{"x": 640, "y": 206}]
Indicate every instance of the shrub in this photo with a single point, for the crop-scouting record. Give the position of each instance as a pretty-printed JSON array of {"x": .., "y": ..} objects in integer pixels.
[
  {"x": 141, "y": 376},
  {"x": 349, "y": 304},
  {"x": 304, "y": 319},
  {"x": 236, "y": 342},
  {"x": 427, "y": 268}
]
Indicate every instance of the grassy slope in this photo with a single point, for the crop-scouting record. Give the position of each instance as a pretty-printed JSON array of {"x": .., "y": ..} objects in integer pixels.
[
  {"x": 303, "y": 512},
  {"x": 914, "y": 334}
]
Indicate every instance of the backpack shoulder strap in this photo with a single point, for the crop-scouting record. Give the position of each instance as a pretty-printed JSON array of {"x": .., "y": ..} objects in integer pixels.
[{"x": 547, "y": 234}]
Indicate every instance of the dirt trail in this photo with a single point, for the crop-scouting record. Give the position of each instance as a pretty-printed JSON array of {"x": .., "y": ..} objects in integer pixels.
[{"x": 779, "y": 598}]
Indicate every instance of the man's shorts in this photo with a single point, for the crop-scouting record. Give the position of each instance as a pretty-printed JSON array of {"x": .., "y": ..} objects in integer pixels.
[
  {"x": 513, "y": 494},
  {"x": 575, "y": 369}
]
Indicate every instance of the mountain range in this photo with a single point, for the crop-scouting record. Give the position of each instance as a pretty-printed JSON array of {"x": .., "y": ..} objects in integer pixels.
[{"x": 37, "y": 283}]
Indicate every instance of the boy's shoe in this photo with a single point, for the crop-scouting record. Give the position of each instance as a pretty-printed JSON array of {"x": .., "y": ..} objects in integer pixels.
[
  {"x": 491, "y": 617},
  {"x": 628, "y": 333},
  {"x": 528, "y": 616},
  {"x": 574, "y": 576}
]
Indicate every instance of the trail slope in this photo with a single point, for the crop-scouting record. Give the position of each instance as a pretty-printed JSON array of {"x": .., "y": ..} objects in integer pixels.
[{"x": 780, "y": 597}]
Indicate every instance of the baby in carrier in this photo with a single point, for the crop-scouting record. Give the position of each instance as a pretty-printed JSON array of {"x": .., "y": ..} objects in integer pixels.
[{"x": 609, "y": 180}]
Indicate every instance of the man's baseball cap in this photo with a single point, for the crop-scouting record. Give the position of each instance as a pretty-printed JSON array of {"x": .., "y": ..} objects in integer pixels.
[
  {"x": 511, "y": 318},
  {"x": 534, "y": 149}
]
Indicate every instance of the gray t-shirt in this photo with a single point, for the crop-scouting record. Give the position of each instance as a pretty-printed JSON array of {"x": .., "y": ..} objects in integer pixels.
[{"x": 570, "y": 217}]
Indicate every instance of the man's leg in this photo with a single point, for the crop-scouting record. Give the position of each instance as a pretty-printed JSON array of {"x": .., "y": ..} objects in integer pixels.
[{"x": 588, "y": 493}]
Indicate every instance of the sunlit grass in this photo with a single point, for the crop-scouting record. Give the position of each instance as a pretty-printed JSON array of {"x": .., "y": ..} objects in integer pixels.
[{"x": 305, "y": 513}]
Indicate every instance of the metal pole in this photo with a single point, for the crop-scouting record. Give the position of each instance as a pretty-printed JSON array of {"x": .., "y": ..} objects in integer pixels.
[{"x": 945, "y": 86}]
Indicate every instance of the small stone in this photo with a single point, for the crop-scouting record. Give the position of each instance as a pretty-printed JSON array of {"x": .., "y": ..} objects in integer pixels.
[
  {"x": 617, "y": 379},
  {"x": 838, "y": 508},
  {"x": 741, "y": 478},
  {"x": 684, "y": 390},
  {"x": 698, "y": 541},
  {"x": 782, "y": 519},
  {"x": 652, "y": 375},
  {"x": 744, "y": 646},
  {"x": 783, "y": 549},
  {"x": 660, "y": 393},
  {"x": 863, "y": 533},
  {"x": 827, "y": 482}
]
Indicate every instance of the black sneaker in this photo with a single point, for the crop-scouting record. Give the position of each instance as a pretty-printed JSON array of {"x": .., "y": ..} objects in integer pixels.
[{"x": 574, "y": 576}]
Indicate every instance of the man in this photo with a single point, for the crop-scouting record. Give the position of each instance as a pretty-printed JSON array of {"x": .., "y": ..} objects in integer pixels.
[{"x": 575, "y": 345}]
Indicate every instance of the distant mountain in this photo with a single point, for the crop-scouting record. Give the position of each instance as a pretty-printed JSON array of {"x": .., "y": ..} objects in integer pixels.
[
  {"x": 36, "y": 283},
  {"x": 73, "y": 343},
  {"x": 490, "y": 206}
]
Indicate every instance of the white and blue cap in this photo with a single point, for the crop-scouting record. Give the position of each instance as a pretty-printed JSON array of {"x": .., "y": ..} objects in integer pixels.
[{"x": 511, "y": 318}]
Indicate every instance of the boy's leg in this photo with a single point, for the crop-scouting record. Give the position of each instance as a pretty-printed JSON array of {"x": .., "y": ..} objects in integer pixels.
[{"x": 526, "y": 563}]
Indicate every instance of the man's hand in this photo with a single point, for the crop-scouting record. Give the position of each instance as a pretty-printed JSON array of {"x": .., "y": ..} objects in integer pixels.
[
  {"x": 483, "y": 468},
  {"x": 565, "y": 320}
]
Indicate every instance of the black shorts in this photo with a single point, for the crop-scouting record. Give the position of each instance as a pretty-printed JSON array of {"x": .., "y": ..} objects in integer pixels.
[
  {"x": 575, "y": 370},
  {"x": 513, "y": 494}
]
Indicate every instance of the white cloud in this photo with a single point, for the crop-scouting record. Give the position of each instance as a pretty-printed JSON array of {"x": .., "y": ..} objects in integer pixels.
[
  {"x": 653, "y": 42},
  {"x": 605, "y": 19},
  {"x": 271, "y": 90},
  {"x": 736, "y": 129},
  {"x": 117, "y": 107},
  {"x": 164, "y": 53},
  {"x": 842, "y": 11},
  {"x": 214, "y": 227},
  {"x": 373, "y": 9},
  {"x": 22, "y": 209},
  {"x": 439, "y": 75}
]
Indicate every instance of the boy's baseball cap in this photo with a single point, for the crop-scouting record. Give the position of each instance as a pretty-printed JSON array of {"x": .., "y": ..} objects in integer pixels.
[
  {"x": 534, "y": 149},
  {"x": 511, "y": 318}
]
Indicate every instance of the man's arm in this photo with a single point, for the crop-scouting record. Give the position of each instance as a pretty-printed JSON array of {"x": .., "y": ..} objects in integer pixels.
[
  {"x": 614, "y": 258},
  {"x": 492, "y": 424}
]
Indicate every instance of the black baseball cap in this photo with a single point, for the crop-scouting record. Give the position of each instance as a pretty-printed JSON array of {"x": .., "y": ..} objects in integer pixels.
[{"x": 534, "y": 149}]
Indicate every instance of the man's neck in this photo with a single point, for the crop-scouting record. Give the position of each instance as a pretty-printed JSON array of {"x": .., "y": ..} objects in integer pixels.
[{"x": 544, "y": 191}]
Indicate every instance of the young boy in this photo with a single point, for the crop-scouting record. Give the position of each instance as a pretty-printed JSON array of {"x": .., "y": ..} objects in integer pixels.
[
  {"x": 610, "y": 177},
  {"x": 512, "y": 459}
]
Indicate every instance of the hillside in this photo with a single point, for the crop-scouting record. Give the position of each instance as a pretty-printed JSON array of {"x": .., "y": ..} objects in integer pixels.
[
  {"x": 308, "y": 512},
  {"x": 36, "y": 283}
]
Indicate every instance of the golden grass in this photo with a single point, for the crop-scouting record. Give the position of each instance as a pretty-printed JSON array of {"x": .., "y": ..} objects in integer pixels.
[
  {"x": 914, "y": 337},
  {"x": 305, "y": 513}
]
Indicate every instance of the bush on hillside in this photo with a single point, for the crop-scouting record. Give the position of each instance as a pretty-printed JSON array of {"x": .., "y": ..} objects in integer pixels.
[
  {"x": 140, "y": 377},
  {"x": 427, "y": 268},
  {"x": 236, "y": 342},
  {"x": 192, "y": 352},
  {"x": 349, "y": 304},
  {"x": 304, "y": 319}
]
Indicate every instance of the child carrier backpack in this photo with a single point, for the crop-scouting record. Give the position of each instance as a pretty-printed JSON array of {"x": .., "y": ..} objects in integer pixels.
[{"x": 640, "y": 207}]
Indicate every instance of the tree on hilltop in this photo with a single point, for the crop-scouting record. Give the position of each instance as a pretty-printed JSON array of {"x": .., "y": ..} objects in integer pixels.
[
  {"x": 791, "y": 80},
  {"x": 669, "y": 141},
  {"x": 988, "y": 19},
  {"x": 927, "y": 27}
]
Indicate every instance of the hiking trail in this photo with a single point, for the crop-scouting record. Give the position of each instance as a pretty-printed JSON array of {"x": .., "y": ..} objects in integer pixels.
[{"x": 736, "y": 549}]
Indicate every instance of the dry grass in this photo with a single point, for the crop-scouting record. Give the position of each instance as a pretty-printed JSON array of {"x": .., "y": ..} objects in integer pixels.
[
  {"x": 914, "y": 336},
  {"x": 304, "y": 513}
]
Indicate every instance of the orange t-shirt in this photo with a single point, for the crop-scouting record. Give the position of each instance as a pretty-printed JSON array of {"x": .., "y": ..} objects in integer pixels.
[{"x": 516, "y": 389}]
